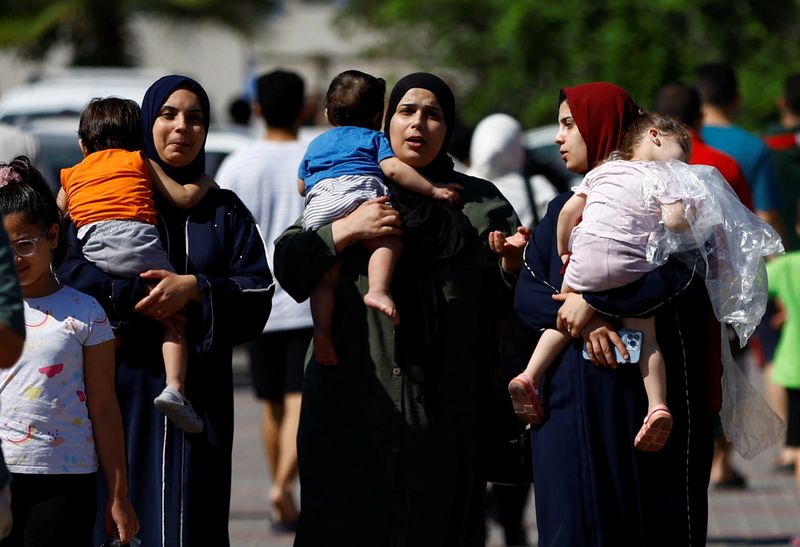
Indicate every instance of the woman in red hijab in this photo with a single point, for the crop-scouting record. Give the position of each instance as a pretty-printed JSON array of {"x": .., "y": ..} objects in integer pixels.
[{"x": 592, "y": 487}]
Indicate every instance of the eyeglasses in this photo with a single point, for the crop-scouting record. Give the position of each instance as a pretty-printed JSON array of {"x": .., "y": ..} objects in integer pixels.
[{"x": 25, "y": 247}]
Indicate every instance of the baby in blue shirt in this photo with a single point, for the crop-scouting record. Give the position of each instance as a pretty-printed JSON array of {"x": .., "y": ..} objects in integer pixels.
[{"x": 343, "y": 168}]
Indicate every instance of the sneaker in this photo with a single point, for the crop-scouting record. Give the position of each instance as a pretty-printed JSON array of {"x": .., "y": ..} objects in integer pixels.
[{"x": 179, "y": 410}]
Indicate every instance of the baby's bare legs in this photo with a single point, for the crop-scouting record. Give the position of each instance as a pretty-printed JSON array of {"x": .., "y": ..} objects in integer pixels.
[
  {"x": 651, "y": 361},
  {"x": 547, "y": 349},
  {"x": 385, "y": 252},
  {"x": 657, "y": 425},
  {"x": 525, "y": 388},
  {"x": 322, "y": 302},
  {"x": 550, "y": 344},
  {"x": 176, "y": 355}
]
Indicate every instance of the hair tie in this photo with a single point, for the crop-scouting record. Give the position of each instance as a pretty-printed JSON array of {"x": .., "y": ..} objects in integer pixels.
[{"x": 7, "y": 175}]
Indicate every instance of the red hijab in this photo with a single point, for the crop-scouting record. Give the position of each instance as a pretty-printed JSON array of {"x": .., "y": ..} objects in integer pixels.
[{"x": 602, "y": 112}]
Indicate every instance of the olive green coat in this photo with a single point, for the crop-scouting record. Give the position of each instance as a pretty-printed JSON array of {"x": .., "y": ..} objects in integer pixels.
[{"x": 377, "y": 468}]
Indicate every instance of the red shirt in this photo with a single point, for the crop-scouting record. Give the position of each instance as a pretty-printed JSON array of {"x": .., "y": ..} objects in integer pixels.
[{"x": 702, "y": 154}]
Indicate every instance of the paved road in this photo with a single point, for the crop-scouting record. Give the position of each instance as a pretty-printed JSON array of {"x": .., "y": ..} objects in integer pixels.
[{"x": 765, "y": 514}]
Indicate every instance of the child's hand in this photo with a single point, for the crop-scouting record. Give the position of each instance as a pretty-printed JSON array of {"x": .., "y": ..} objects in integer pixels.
[
  {"x": 121, "y": 520},
  {"x": 447, "y": 192},
  {"x": 565, "y": 257}
]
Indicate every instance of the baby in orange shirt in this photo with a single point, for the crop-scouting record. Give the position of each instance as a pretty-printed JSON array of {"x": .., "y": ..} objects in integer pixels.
[{"x": 109, "y": 198}]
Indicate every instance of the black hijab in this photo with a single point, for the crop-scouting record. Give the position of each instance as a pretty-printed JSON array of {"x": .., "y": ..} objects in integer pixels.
[
  {"x": 433, "y": 230},
  {"x": 441, "y": 168},
  {"x": 154, "y": 98}
]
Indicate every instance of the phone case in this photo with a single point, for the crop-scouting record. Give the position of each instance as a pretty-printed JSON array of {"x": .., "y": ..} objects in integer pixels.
[{"x": 633, "y": 342}]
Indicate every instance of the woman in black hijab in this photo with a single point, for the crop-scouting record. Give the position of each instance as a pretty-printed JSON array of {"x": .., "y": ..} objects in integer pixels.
[{"x": 386, "y": 459}]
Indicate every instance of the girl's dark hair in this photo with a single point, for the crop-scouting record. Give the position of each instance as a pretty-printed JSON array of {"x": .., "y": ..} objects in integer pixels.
[
  {"x": 355, "y": 98},
  {"x": 111, "y": 123},
  {"x": 666, "y": 125},
  {"x": 23, "y": 190}
]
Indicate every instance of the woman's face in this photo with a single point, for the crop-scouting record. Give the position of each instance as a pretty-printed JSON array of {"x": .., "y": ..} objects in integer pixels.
[
  {"x": 179, "y": 130},
  {"x": 417, "y": 128},
  {"x": 570, "y": 141}
]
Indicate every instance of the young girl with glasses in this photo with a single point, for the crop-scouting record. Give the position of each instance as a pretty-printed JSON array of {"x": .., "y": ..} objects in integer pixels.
[{"x": 60, "y": 416}]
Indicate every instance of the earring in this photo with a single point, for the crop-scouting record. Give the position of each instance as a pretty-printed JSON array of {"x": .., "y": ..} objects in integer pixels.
[{"x": 657, "y": 141}]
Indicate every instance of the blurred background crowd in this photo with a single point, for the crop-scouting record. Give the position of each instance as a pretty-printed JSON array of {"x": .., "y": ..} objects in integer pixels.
[{"x": 505, "y": 60}]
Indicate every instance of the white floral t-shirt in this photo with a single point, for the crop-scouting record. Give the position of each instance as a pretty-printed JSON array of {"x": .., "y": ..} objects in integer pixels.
[{"x": 44, "y": 423}]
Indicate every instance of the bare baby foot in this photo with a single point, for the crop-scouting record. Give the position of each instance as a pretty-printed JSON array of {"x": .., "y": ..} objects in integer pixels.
[{"x": 382, "y": 302}]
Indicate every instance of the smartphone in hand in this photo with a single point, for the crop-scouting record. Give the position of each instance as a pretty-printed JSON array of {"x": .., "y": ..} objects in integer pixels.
[{"x": 633, "y": 343}]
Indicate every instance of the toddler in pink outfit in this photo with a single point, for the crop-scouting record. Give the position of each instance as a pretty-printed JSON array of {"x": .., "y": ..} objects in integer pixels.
[{"x": 606, "y": 225}]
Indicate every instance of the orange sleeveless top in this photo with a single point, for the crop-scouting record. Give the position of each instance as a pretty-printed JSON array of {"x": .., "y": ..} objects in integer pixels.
[{"x": 110, "y": 184}]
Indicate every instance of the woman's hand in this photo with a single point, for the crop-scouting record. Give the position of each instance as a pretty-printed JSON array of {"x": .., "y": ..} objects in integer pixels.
[
  {"x": 510, "y": 248},
  {"x": 600, "y": 338},
  {"x": 373, "y": 218},
  {"x": 574, "y": 313},
  {"x": 120, "y": 519},
  {"x": 171, "y": 294}
]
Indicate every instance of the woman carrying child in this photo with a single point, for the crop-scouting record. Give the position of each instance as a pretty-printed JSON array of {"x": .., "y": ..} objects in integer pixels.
[
  {"x": 401, "y": 458},
  {"x": 608, "y": 249},
  {"x": 222, "y": 289},
  {"x": 343, "y": 168},
  {"x": 60, "y": 412},
  {"x": 592, "y": 486},
  {"x": 109, "y": 196}
]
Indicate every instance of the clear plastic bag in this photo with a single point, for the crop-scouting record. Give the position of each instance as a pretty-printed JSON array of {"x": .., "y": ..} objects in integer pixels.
[
  {"x": 732, "y": 240},
  {"x": 747, "y": 419}
]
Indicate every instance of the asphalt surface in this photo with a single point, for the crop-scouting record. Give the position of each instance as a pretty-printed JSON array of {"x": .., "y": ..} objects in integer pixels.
[{"x": 766, "y": 513}]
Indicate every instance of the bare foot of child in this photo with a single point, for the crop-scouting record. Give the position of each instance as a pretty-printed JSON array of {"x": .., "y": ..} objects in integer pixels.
[
  {"x": 324, "y": 353},
  {"x": 382, "y": 302}
]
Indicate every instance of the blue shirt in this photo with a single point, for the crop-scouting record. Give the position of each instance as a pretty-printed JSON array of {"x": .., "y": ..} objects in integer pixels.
[
  {"x": 753, "y": 157},
  {"x": 345, "y": 150}
]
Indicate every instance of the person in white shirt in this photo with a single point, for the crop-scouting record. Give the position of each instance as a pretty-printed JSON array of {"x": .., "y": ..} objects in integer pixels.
[{"x": 264, "y": 176}]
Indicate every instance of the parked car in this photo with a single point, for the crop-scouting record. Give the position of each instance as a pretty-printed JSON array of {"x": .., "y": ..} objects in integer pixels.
[
  {"x": 64, "y": 94},
  {"x": 58, "y": 147}
]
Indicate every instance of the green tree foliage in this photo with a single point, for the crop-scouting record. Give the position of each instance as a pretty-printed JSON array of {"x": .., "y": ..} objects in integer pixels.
[
  {"x": 98, "y": 30},
  {"x": 514, "y": 55}
]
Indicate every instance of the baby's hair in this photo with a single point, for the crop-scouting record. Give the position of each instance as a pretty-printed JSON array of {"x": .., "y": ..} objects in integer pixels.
[
  {"x": 355, "y": 98},
  {"x": 23, "y": 190},
  {"x": 111, "y": 123},
  {"x": 667, "y": 126}
]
